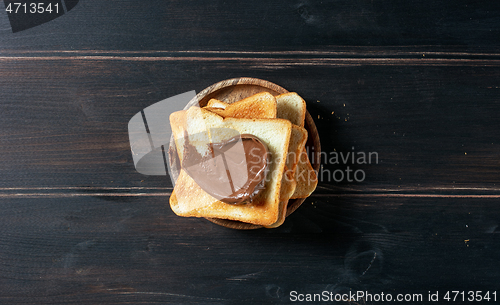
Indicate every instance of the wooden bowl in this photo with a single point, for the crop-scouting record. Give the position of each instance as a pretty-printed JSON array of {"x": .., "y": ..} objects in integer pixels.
[{"x": 233, "y": 90}]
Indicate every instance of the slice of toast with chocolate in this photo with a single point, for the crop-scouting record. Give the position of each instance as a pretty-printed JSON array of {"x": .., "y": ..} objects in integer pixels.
[{"x": 189, "y": 199}]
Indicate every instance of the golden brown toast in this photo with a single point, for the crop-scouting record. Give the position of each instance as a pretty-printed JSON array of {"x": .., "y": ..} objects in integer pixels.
[
  {"x": 215, "y": 103},
  {"x": 188, "y": 199},
  {"x": 306, "y": 177},
  {"x": 177, "y": 123},
  {"x": 292, "y": 107},
  {"x": 261, "y": 105}
]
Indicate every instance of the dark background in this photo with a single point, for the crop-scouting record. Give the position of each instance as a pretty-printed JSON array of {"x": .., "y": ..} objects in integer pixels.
[{"x": 418, "y": 82}]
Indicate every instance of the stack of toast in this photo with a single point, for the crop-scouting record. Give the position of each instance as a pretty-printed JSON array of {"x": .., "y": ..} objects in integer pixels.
[{"x": 278, "y": 121}]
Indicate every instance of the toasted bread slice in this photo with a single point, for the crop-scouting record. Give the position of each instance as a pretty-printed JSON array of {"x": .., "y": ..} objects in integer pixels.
[
  {"x": 220, "y": 111},
  {"x": 261, "y": 105},
  {"x": 188, "y": 199},
  {"x": 288, "y": 185},
  {"x": 298, "y": 140},
  {"x": 292, "y": 107},
  {"x": 177, "y": 123},
  {"x": 215, "y": 103},
  {"x": 297, "y": 143},
  {"x": 306, "y": 177}
]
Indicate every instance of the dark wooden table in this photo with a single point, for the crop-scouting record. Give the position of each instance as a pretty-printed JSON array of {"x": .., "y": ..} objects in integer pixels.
[{"x": 417, "y": 82}]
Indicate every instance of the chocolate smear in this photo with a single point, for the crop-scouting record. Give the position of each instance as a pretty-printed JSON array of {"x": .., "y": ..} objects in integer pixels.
[{"x": 233, "y": 172}]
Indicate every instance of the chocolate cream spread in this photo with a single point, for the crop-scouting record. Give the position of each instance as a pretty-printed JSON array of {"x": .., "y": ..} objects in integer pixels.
[{"x": 234, "y": 172}]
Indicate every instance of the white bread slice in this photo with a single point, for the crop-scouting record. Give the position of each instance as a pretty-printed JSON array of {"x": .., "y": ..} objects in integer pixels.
[
  {"x": 288, "y": 184},
  {"x": 261, "y": 105},
  {"x": 188, "y": 199},
  {"x": 298, "y": 141},
  {"x": 215, "y": 103},
  {"x": 177, "y": 123},
  {"x": 292, "y": 107},
  {"x": 306, "y": 177},
  {"x": 220, "y": 111}
]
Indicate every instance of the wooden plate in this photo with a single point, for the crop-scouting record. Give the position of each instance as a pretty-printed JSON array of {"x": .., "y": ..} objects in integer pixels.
[{"x": 233, "y": 90}]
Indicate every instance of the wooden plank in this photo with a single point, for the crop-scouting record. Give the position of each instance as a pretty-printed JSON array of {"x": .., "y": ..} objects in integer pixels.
[
  {"x": 64, "y": 121},
  {"x": 280, "y": 25},
  {"x": 88, "y": 250}
]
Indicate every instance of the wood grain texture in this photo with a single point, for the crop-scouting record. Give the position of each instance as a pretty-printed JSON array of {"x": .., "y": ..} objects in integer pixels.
[
  {"x": 88, "y": 250},
  {"x": 261, "y": 25},
  {"x": 64, "y": 121}
]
